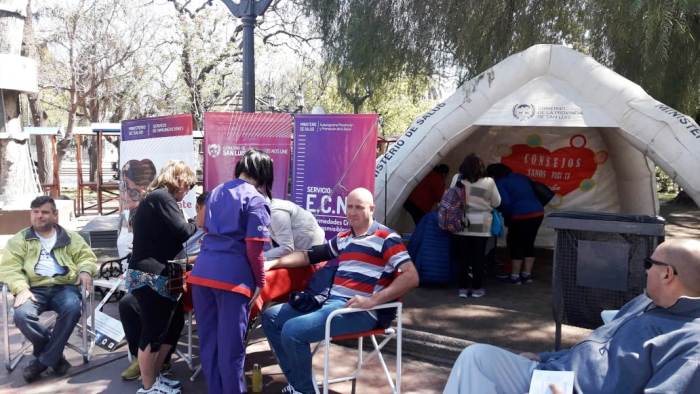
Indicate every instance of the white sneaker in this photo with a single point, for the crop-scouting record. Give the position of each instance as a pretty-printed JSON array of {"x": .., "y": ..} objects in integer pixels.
[
  {"x": 288, "y": 389},
  {"x": 169, "y": 382},
  {"x": 165, "y": 389},
  {"x": 155, "y": 389},
  {"x": 463, "y": 293},
  {"x": 478, "y": 293}
]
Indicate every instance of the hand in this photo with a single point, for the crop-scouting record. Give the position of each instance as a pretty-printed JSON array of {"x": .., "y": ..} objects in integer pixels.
[
  {"x": 85, "y": 281},
  {"x": 530, "y": 356},
  {"x": 554, "y": 389},
  {"x": 270, "y": 264},
  {"x": 254, "y": 298},
  {"x": 23, "y": 296},
  {"x": 360, "y": 302}
]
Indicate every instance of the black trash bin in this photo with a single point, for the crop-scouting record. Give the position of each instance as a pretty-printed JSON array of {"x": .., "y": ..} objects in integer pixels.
[{"x": 598, "y": 263}]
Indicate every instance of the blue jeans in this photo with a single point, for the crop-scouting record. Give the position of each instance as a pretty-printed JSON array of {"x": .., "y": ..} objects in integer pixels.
[
  {"x": 48, "y": 345},
  {"x": 290, "y": 333}
]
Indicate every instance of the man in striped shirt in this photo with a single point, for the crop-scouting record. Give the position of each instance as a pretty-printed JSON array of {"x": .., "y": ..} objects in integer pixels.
[{"x": 369, "y": 256}]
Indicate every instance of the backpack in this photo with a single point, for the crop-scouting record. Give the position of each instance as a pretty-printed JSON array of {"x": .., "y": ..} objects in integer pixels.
[{"x": 451, "y": 210}]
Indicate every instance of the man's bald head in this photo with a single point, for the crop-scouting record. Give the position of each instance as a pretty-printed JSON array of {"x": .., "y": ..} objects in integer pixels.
[
  {"x": 684, "y": 256},
  {"x": 360, "y": 207},
  {"x": 363, "y": 195}
]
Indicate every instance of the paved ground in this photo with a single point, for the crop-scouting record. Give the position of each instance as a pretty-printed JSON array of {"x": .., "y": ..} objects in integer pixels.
[{"x": 517, "y": 317}]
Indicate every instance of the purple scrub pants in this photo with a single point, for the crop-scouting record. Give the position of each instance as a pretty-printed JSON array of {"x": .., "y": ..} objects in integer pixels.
[{"x": 222, "y": 321}]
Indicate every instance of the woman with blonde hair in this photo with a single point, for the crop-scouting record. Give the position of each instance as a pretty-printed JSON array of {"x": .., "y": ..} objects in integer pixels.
[{"x": 159, "y": 232}]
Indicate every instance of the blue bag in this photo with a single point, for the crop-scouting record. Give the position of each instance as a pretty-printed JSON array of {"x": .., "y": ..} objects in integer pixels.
[{"x": 497, "y": 228}]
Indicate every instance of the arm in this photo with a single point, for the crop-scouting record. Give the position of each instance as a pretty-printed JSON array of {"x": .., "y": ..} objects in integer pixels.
[
  {"x": 84, "y": 259},
  {"x": 303, "y": 258},
  {"x": 495, "y": 196},
  {"x": 299, "y": 258},
  {"x": 281, "y": 232},
  {"x": 82, "y": 255},
  {"x": 254, "y": 253},
  {"x": 11, "y": 265},
  {"x": 172, "y": 217},
  {"x": 407, "y": 280},
  {"x": 680, "y": 375}
]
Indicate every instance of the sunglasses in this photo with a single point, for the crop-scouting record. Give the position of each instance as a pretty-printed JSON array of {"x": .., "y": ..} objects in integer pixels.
[{"x": 648, "y": 262}]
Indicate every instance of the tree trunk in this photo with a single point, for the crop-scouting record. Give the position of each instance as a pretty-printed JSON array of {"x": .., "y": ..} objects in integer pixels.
[
  {"x": 17, "y": 180},
  {"x": 44, "y": 149}
]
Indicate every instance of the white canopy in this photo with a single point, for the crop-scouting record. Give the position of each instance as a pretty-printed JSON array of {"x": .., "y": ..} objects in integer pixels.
[{"x": 539, "y": 109}]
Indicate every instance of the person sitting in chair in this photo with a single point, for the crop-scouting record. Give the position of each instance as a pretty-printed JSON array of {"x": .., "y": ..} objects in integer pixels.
[
  {"x": 651, "y": 346},
  {"x": 42, "y": 265},
  {"x": 369, "y": 255}
]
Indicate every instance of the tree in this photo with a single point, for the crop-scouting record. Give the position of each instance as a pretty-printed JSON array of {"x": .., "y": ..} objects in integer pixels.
[
  {"x": 651, "y": 42},
  {"x": 17, "y": 181},
  {"x": 655, "y": 43},
  {"x": 95, "y": 61}
]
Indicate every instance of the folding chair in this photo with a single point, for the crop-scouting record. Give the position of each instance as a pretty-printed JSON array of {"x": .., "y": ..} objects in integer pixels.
[
  {"x": 87, "y": 337},
  {"x": 389, "y": 333},
  {"x": 110, "y": 278}
]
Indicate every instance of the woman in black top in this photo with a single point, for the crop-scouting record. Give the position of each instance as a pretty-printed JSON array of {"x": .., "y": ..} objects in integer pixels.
[{"x": 160, "y": 229}]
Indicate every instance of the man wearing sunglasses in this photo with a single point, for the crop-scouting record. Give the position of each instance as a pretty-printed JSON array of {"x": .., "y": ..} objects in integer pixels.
[{"x": 651, "y": 346}]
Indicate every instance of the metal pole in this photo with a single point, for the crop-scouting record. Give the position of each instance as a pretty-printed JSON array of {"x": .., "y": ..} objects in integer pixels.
[
  {"x": 248, "y": 63},
  {"x": 248, "y": 11}
]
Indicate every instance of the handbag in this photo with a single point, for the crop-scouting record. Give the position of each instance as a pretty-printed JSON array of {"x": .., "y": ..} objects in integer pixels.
[
  {"x": 176, "y": 270},
  {"x": 497, "y": 228},
  {"x": 317, "y": 291},
  {"x": 543, "y": 193}
]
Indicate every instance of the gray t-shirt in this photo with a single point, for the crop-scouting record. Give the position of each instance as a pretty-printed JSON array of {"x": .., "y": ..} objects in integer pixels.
[{"x": 292, "y": 228}]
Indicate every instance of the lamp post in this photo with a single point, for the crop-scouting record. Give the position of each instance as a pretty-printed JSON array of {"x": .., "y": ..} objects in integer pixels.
[{"x": 248, "y": 11}]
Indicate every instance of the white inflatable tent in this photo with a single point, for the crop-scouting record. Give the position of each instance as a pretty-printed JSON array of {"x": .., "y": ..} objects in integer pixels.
[{"x": 562, "y": 118}]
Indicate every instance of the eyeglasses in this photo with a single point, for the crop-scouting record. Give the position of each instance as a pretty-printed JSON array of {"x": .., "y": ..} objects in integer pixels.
[{"x": 648, "y": 262}]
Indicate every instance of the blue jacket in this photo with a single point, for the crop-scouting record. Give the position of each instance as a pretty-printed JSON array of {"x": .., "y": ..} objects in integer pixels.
[
  {"x": 645, "y": 349},
  {"x": 518, "y": 200}
]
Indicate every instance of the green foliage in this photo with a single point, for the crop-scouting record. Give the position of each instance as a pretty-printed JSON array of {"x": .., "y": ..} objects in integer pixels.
[
  {"x": 651, "y": 42},
  {"x": 654, "y": 43}
]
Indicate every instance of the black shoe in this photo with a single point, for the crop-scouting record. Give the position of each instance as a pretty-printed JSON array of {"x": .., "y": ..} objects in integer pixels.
[
  {"x": 62, "y": 367},
  {"x": 33, "y": 370}
]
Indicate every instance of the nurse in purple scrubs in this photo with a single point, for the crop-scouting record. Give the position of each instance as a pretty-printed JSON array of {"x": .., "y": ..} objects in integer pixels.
[{"x": 229, "y": 270}]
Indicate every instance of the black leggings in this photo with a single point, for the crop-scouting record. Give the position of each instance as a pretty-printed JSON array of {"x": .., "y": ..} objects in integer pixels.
[
  {"x": 521, "y": 237},
  {"x": 468, "y": 251},
  {"x": 161, "y": 319},
  {"x": 130, "y": 316}
]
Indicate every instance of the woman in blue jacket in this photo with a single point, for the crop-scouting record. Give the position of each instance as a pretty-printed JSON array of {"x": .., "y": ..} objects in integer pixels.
[
  {"x": 523, "y": 215},
  {"x": 229, "y": 270}
]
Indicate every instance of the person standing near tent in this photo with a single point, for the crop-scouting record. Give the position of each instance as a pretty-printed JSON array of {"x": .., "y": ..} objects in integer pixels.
[
  {"x": 523, "y": 215},
  {"x": 230, "y": 268},
  {"x": 427, "y": 193},
  {"x": 469, "y": 245},
  {"x": 160, "y": 229}
]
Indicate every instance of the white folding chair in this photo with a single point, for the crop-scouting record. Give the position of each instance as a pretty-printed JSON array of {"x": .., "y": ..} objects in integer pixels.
[
  {"x": 389, "y": 334},
  {"x": 12, "y": 358}
]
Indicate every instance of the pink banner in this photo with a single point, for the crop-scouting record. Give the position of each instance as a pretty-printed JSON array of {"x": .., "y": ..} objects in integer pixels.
[
  {"x": 228, "y": 135},
  {"x": 333, "y": 154}
]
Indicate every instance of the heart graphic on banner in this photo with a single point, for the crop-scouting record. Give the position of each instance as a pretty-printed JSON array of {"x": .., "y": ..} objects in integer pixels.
[{"x": 563, "y": 170}]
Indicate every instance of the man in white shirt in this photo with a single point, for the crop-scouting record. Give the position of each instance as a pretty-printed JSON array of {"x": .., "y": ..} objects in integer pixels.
[{"x": 42, "y": 265}]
